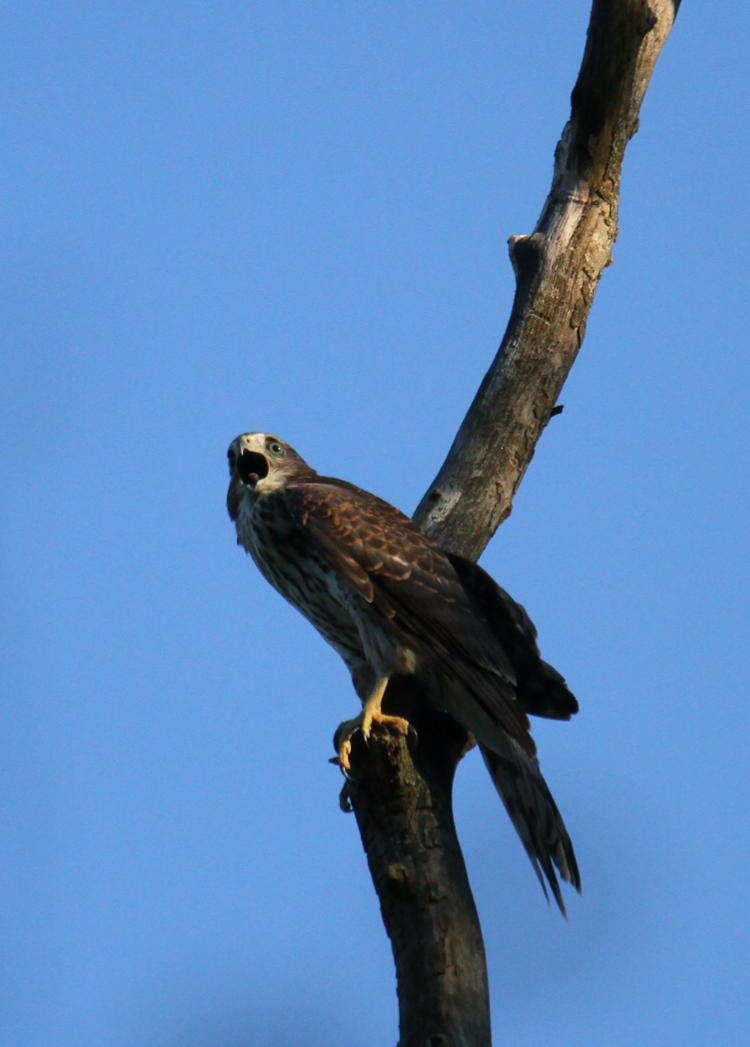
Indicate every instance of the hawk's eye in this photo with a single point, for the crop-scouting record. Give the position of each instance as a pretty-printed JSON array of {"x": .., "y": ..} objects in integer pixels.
[{"x": 275, "y": 447}]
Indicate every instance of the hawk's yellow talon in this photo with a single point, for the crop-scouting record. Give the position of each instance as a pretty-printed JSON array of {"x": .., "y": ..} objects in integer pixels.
[
  {"x": 371, "y": 716},
  {"x": 398, "y": 723}
]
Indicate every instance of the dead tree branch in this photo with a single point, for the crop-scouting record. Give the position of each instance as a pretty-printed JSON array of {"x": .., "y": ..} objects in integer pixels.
[
  {"x": 557, "y": 270},
  {"x": 402, "y": 798}
]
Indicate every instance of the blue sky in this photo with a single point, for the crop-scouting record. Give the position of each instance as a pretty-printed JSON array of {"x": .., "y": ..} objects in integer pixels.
[{"x": 222, "y": 217}]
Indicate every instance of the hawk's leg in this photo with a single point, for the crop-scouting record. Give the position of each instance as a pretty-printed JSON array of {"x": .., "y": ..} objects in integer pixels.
[{"x": 371, "y": 714}]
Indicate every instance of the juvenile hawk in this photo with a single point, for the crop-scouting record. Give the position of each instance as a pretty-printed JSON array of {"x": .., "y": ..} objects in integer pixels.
[{"x": 393, "y": 603}]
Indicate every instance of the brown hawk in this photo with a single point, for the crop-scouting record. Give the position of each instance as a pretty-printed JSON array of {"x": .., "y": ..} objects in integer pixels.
[{"x": 393, "y": 603}]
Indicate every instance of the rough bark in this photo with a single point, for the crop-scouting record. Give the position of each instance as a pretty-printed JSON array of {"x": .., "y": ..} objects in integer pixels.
[
  {"x": 557, "y": 270},
  {"x": 402, "y": 800},
  {"x": 402, "y": 793}
]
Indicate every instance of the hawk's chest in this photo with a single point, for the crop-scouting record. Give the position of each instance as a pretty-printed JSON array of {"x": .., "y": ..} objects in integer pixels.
[{"x": 298, "y": 570}]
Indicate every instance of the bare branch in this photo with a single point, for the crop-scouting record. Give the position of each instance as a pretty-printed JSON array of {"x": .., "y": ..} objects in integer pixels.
[
  {"x": 402, "y": 800},
  {"x": 557, "y": 269}
]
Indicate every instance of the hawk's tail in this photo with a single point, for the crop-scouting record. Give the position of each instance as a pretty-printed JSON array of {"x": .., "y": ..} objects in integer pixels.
[{"x": 538, "y": 822}]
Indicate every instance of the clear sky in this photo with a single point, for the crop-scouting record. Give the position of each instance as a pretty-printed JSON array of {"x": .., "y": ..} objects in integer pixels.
[{"x": 292, "y": 217}]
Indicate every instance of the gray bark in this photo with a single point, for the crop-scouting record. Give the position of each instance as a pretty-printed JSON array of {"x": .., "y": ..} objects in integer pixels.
[{"x": 402, "y": 794}]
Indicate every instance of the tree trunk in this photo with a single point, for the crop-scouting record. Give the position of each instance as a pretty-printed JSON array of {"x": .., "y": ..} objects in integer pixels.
[{"x": 401, "y": 794}]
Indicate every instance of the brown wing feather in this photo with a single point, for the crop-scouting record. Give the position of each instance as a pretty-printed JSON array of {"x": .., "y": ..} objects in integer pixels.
[
  {"x": 397, "y": 569},
  {"x": 541, "y": 689}
]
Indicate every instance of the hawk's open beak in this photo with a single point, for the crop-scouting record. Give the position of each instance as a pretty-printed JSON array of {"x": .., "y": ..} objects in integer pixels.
[
  {"x": 252, "y": 467},
  {"x": 247, "y": 470}
]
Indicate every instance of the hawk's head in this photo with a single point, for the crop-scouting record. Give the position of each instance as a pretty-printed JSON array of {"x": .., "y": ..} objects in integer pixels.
[{"x": 258, "y": 464}]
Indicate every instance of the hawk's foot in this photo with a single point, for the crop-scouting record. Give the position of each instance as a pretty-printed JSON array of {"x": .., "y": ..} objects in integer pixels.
[
  {"x": 371, "y": 715},
  {"x": 365, "y": 722}
]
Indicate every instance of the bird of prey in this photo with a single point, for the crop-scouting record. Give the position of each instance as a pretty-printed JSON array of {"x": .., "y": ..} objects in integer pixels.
[{"x": 392, "y": 603}]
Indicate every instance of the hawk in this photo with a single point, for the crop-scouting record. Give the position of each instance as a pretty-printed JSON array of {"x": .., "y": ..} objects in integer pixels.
[{"x": 392, "y": 603}]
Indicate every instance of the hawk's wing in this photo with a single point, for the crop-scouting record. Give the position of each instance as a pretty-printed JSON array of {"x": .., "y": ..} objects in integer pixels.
[
  {"x": 450, "y": 609},
  {"x": 540, "y": 688},
  {"x": 412, "y": 583}
]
